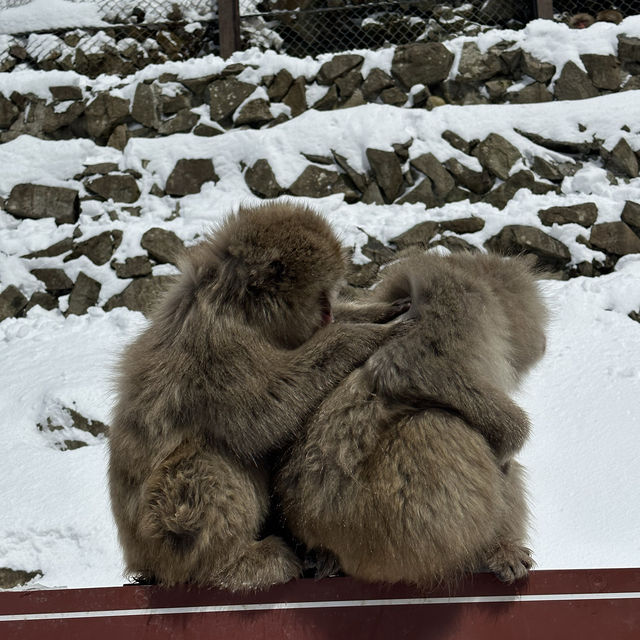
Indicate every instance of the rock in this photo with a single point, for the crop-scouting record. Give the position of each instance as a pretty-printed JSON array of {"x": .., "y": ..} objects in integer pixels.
[
  {"x": 515, "y": 239},
  {"x": 402, "y": 149},
  {"x": 376, "y": 251},
  {"x": 475, "y": 66},
  {"x": 142, "y": 294},
  {"x": 101, "y": 168},
  {"x": 420, "y": 235},
  {"x": 328, "y": 101},
  {"x": 55, "y": 280},
  {"x": 10, "y": 578},
  {"x": 356, "y": 100},
  {"x": 456, "y": 141},
  {"x": 262, "y": 181},
  {"x": 119, "y": 187},
  {"x": 254, "y": 113},
  {"x": 454, "y": 244},
  {"x": 441, "y": 179},
  {"x": 621, "y": 159},
  {"x": 12, "y": 302},
  {"x": 501, "y": 195},
  {"x": 318, "y": 182},
  {"x": 497, "y": 88},
  {"x": 189, "y": 175},
  {"x": 207, "y": 131},
  {"x": 338, "y": 66},
  {"x": 119, "y": 137},
  {"x": 471, "y": 224},
  {"x": 359, "y": 180},
  {"x": 376, "y": 81},
  {"x": 84, "y": 294},
  {"x": 38, "y": 201},
  {"x": 98, "y": 248},
  {"x": 604, "y": 71},
  {"x": 175, "y": 104},
  {"x": 631, "y": 215},
  {"x": 536, "y": 69},
  {"x": 226, "y": 95},
  {"x": 54, "y": 250},
  {"x": 132, "y": 267},
  {"x": 533, "y": 93},
  {"x": 54, "y": 119},
  {"x": 634, "y": 315},
  {"x": 497, "y": 155},
  {"x": 422, "y": 193},
  {"x": 42, "y": 299},
  {"x": 147, "y": 105},
  {"x": 574, "y": 84},
  {"x": 628, "y": 48},
  {"x": 162, "y": 245},
  {"x": 421, "y": 63},
  {"x": 104, "y": 113},
  {"x": 280, "y": 86},
  {"x": 8, "y": 112},
  {"x": 476, "y": 181},
  {"x": 584, "y": 214},
  {"x": 372, "y": 194},
  {"x": 616, "y": 238},
  {"x": 182, "y": 122},
  {"x": 393, "y": 96},
  {"x": 553, "y": 171},
  {"x": 362, "y": 275},
  {"x": 387, "y": 172},
  {"x": 561, "y": 146},
  {"x": 296, "y": 98},
  {"x": 348, "y": 83}
]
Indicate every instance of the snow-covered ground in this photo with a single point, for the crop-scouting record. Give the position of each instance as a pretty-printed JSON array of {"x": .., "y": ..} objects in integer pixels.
[{"x": 583, "y": 458}]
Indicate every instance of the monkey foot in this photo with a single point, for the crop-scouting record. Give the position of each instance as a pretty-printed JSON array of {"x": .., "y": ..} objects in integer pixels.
[{"x": 510, "y": 562}]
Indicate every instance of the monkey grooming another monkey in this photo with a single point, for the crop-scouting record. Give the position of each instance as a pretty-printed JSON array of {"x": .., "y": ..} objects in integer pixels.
[
  {"x": 402, "y": 474},
  {"x": 237, "y": 357}
]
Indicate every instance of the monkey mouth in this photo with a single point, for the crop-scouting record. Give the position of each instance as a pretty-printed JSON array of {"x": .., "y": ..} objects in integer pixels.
[{"x": 326, "y": 312}]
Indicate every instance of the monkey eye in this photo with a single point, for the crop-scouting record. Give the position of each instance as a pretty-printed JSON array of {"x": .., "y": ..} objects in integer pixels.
[{"x": 277, "y": 269}]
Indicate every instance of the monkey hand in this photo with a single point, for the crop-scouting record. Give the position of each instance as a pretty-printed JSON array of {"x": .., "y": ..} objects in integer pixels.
[
  {"x": 374, "y": 312},
  {"x": 509, "y": 430}
]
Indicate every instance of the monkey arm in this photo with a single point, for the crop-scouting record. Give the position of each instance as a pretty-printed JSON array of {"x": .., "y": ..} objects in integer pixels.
[{"x": 376, "y": 312}]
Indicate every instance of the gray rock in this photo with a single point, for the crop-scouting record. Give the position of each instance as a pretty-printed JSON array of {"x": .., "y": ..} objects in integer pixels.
[
  {"x": 356, "y": 100},
  {"x": 37, "y": 201},
  {"x": 147, "y": 105},
  {"x": 132, "y": 267},
  {"x": 621, "y": 159},
  {"x": 372, "y": 194},
  {"x": 476, "y": 181},
  {"x": 142, "y": 294},
  {"x": 114, "y": 186},
  {"x": 471, "y": 224},
  {"x": 454, "y": 244},
  {"x": 119, "y": 137},
  {"x": 175, "y": 104},
  {"x": 162, "y": 245},
  {"x": 456, "y": 141},
  {"x": 604, "y": 71},
  {"x": 628, "y": 48},
  {"x": 561, "y": 146},
  {"x": 422, "y": 193},
  {"x": 376, "y": 251},
  {"x": 101, "y": 169},
  {"x": 387, "y": 172},
  {"x": 498, "y": 88},
  {"x": 182, "y": 122},
  {"x": 262, "y": 181},
  {"x": 296, "y": 98},
  {"x": 56, "y": 281},
  {"x": 52, "y": 119},
  {"x": 441, "y": 179},
  {"x": 338, "y": 66},
  {"x": 475, "y": 66},
  {"x": 280, "y": 86},
  {"x": 8, "y": 112},
  {"x": 553, "y": 171},
  {"x": 359, "y": 180},
  {"x": 10, "y": 578},
  {"x": 226, "y": 95},
  {"x": 189, "y": 175},
  {"x": 348, "y": 83},
  {"x": 104, "y": 113},
  {"x": 318, "y": 182},
  {"x": 42, "y": 299},
  {"x": 376, "y": 81},
  {"x": 328, "y": 101},
  {"x": 419, "y": 235},
  {"x": 421, "y": 63},
  {"x": 394, "y": 96},
  {"x": 531, "y": 94},
  {"x": 98, "y": 248},
  {"x": 402, "y": 149},
  {"x": 634, "y": 315},
  {"x": 254, "y": 113},
  {"x": 199, "y": 86},
  {"x": 501, "y": 195},
  {"x": 574, "y": 84},
  {"x": 84, "y": 294},
  {"x": 536, "y": 69},
  {"x": 631, "y": 215},
  {"x": 12, "y": 302},
  {"x": 207, "y": 131},
  {"x": 515, "y": 239},
  {"x": 616, "y": 238},
  {"x": 497, "y": 155},
  {"x": 54, "y": 250},
  {"x": 584, "y": 214}
]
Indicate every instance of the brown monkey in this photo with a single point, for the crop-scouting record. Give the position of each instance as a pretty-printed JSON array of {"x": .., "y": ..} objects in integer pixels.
[
  {"x": 237, "y": 356},
  {"x": 394, "y": 476},
  {"x": 581, "y": 20},
  {"x": 609, "y": 15}
]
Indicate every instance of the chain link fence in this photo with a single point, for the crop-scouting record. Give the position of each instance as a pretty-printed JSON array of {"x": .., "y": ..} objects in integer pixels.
[{"x": 581, "y": 14}]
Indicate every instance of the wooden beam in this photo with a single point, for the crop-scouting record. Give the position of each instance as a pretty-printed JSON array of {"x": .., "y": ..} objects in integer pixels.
[
  {"x": 229, "y": 25},
  {"x": 544, "y": 9}
]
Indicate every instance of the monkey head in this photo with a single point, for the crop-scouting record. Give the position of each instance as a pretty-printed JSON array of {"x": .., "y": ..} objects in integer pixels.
[{"x": 581, "y": 21}]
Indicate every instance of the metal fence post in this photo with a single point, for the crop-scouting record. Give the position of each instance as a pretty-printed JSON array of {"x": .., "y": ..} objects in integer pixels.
[
  {"x": 544, "y": 9},
  {"x": 229, "y": 25}
]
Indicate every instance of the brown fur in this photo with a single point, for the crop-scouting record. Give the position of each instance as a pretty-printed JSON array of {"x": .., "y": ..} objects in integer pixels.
[
  {"x": 609, "y": 15},
  {"x": 395, "y": 474},
  {"x": 236, "y": 358},
  {"x": 581, "y": 21}
]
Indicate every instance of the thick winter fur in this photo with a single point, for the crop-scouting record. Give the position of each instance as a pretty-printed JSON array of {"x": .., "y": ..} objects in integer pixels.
[
  {"x": 403, "y": 473},
  {"x": 237, "y": 357}
]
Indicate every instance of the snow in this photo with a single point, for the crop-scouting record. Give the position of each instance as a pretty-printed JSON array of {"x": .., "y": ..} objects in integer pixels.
[{"x": 583, "y": 458}]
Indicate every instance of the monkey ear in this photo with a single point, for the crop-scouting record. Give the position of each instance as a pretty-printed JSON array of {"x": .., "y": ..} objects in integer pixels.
[{"x": 266, "y": 278}]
